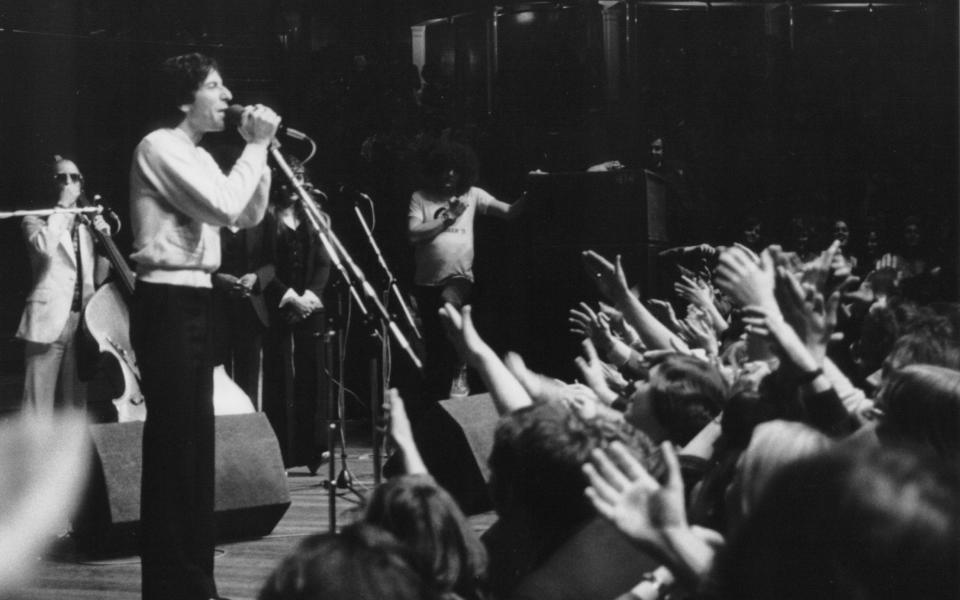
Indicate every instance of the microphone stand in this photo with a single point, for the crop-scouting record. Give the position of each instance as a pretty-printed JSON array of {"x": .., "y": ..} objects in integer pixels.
[
  {"x": 378, "y": 380},
  {"x": 320, "y": 223},
  {"x": 391, "y": 280}
]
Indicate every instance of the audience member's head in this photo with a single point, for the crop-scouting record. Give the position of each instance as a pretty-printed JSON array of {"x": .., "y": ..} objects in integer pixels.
[
  {"x": 921, "y": 406},
  {"x": 774, "y": 444},
  {"x": 362, "y": 561},
  {"x": 912, "y": 234},
  {"x": 923, "y": 347},
  {"x": 683, "y": 394},
  {"x": 750, "y": 233},
  {"x": 422, "y": 515},
  {"x": 859, "y": 521},
  {"x": 536, "y": 462}
]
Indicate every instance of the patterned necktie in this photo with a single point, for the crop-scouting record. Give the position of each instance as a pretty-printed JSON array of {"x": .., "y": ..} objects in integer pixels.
[{"x": 78, "y": 288}]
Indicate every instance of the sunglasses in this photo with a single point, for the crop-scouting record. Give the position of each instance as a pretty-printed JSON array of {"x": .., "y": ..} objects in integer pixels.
[{"x": 63, "y": 178}]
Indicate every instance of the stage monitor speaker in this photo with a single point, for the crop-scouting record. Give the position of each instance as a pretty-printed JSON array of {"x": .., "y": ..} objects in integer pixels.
[
  {"x": 455, "y": 438},
  {"x": 251, "y": 487}
]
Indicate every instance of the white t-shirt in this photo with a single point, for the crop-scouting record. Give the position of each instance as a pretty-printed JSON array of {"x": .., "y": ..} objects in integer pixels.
[{"x": 450, "y": 254}]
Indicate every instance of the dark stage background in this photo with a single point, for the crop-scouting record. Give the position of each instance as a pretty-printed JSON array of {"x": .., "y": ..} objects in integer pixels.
[{"x": 770, "y": 109}]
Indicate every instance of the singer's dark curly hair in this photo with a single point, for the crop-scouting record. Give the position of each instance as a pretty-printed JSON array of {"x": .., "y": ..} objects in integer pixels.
[
  {"x": 179, "y": 77},
  {"x": 443, "y": 157}
]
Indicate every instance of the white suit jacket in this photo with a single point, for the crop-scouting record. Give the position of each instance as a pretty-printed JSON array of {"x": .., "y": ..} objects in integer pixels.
[{"x": 54, "y": 266}]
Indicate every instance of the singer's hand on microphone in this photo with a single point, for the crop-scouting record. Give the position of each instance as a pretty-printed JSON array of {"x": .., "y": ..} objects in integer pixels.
[{"x": 259, "y": 124}]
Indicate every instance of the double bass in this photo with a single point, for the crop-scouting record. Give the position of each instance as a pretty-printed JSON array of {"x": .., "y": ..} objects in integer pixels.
[{"x": 107, "y": 319}]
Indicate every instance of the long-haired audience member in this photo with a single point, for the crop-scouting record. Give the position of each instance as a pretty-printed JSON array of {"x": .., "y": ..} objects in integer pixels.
[
  {"x": 444, "y": 549},
  {"x": 424, "y": 517},
  {"x": 774, "y": 445},
  {"x": 361, "y": 562}
]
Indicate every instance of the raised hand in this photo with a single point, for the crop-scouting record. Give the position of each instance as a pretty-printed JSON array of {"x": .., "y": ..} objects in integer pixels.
[
  {"x": 541, "y": 388},
  {"x": 624, "y": 493},
  {"x": 398, "y": 424},
  {"x": 694, "y": 291},
  {"x": 593, "y": 373},
  {"x": 746, "y": 280},
  {"x": 593, "y": 326},
  {"x": 818, "y": 271},
  {"x": 609, "y": 277},
  {"x": 805, "y": 309},
  {"x": 700, "y": 333},
  {"x": 462, "y": 334},
  {"x": 619, "y": 325},
  {"x": 663, "y": 311},
  {"x": 786, "y": 342},
  {"x": 401, "y": 433},
  {"x": 535, "y": 384}
]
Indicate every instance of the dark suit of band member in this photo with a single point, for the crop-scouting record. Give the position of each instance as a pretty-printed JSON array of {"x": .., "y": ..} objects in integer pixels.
[
  {"x": 293, "y": 374},
  {"x": 179, "y": 200},
  {"x": 246, "y": 269},
  {"x": 64, "y": 271}
]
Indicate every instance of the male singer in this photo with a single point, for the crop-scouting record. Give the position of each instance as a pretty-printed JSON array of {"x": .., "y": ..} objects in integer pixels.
[{"x": 179, "y": 200}]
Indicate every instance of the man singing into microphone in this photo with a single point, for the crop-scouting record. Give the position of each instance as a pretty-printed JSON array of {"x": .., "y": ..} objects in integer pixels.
[{"x": 179, "y": 200}]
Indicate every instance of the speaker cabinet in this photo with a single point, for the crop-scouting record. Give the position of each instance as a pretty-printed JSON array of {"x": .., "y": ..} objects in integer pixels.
[
  {"x": 455, "y": 438},
  {"x": 251, "y": 488}
]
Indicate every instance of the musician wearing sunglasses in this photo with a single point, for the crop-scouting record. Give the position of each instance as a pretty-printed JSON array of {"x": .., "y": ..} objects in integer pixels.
[{"x": 65, "y": 271}]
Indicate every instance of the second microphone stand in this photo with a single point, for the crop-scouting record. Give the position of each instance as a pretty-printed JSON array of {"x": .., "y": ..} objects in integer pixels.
[{"x": 379, "y": 380}]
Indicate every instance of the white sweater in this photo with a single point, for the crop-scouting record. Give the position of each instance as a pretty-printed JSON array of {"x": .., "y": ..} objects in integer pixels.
[{"x": 179, "y": 199}]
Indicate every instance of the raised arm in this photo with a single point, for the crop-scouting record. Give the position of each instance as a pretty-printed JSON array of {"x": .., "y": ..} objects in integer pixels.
[
  {"x": 201, "y": 191},
  {"x": 402, "y": 434},
  {"x": 612, "y": 282},
  {"x": 507, "y": 393},
  {"x": 651, "y": 514}
]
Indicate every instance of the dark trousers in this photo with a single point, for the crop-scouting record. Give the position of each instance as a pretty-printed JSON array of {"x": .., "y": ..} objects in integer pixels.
[
  {"x": 239, "y": 339},
  {"x": 441, "y": 362},
  {"x": 171, "y": 332}
]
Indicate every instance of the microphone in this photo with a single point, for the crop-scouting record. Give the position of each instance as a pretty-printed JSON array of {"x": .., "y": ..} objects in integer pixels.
[
  {"x": 234, "y": 115},
  {"x": 310, "y": 188},
  {"x": 348, "y": 189}
]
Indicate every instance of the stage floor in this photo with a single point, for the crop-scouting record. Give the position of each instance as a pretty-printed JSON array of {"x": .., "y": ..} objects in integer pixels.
[{"x": 240, "y": 567}]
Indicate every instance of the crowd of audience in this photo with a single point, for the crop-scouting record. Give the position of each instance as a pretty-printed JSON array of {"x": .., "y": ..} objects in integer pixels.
[{"x": 785, "y": 425}]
